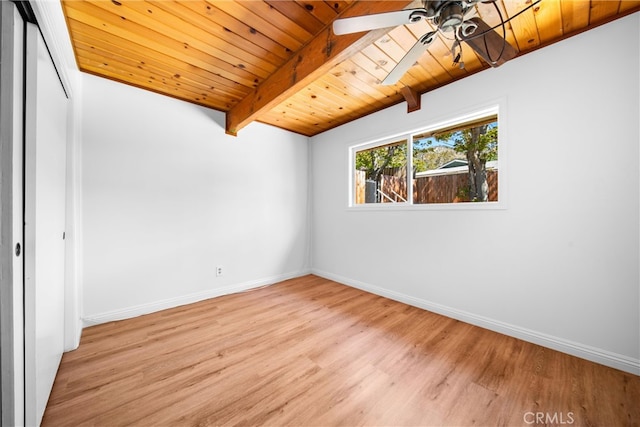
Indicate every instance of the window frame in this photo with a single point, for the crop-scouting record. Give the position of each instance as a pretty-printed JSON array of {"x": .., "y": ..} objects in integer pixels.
[{"x": 495, "y": 109}]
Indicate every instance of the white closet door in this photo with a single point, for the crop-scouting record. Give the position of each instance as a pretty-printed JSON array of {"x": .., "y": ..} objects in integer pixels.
[{"x": 45, "y": 169}]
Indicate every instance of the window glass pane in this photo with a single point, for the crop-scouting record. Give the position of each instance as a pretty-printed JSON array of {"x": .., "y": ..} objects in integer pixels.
[
  {"x": 381, "y": 174},
  {"x": 459, "y": 164}
]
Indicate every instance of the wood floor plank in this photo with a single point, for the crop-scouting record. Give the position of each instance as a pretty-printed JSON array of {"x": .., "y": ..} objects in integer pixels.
[{"x": 309, "y": 351}]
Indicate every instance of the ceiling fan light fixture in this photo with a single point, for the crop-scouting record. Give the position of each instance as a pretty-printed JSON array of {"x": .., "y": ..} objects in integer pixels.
[
  {"x": 428, "y": 38},
  {"x": 468, "y": 28},
  {"x": 417, "y": 16}
]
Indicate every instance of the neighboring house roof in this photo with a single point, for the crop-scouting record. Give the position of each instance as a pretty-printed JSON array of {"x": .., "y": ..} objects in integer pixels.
[
  {"x": 452, "y": 169},
  {"x": 454, "y": 163}
]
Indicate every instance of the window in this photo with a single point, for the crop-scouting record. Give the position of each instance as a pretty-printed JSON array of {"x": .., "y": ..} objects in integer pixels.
[
  {"x": 455, "y": 162},
  {"x": 381, "y": 173}
]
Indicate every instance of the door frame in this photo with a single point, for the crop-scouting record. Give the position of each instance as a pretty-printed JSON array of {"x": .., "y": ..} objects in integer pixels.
[{"x": 12, "y": 30}]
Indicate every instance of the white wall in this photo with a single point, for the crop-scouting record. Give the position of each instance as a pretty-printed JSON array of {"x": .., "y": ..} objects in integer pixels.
[
  {"x": 167, "y": 196},
  {"x": 559, "y": 266}
]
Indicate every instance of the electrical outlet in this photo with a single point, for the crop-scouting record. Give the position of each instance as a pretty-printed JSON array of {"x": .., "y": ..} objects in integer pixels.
[{"x": 219, "y": 271}]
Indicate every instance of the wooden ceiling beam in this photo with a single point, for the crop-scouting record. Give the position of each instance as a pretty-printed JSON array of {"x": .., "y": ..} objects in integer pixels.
[
  {"x": 314, "y": 59},
  {"x": 412, "y": 97}
]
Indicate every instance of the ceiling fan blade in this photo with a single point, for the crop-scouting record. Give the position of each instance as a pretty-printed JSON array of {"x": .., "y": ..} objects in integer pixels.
[
  {"x": 410, "y": 58},
  {"x": 358, "y": 24},
  {"x": 490, "y": 46}
]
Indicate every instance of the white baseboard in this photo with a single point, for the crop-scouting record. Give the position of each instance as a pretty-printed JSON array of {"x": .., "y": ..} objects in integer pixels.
[
  {"x": 139, "y": 310},
  {"x": 603, "y": 357}
]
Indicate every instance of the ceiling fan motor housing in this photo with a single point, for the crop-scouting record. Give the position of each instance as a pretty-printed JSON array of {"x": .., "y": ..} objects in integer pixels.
[
  {"x": 433, "y": 7},
  {"x": 451, "y": 16},
  {"x": 448, "y": 14}
]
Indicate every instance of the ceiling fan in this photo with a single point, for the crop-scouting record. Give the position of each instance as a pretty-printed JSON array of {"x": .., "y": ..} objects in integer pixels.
[{"x": 453, "y": 19}]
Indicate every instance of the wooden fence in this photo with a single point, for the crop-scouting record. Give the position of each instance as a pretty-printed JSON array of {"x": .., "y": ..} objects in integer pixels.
[
  {"x": 428, "y": 189},
  {"x": 394, "y": 189},
  {"x": 449, "y": 188}
]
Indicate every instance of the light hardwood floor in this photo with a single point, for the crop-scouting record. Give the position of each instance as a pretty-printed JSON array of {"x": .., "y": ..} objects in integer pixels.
[{"x": 312, "y": 352}]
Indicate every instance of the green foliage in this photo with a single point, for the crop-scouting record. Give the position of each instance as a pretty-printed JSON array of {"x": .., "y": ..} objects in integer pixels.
[
  {"x": 434, "y": 151},
  {"x": 427, "y": 158},
  {"x": 464, "y": 192},
  {"x": 486, "y": 145},
  {"x": 376, "y": 159}
]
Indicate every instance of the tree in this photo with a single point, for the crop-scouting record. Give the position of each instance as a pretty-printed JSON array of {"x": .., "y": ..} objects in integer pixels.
[
  {"x": 479, "y": 144},
  {"x": 376, "y": 160}
]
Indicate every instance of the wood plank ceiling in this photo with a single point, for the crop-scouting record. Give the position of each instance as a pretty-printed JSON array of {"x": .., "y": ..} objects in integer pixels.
[{"x": 278, "y": 61}]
